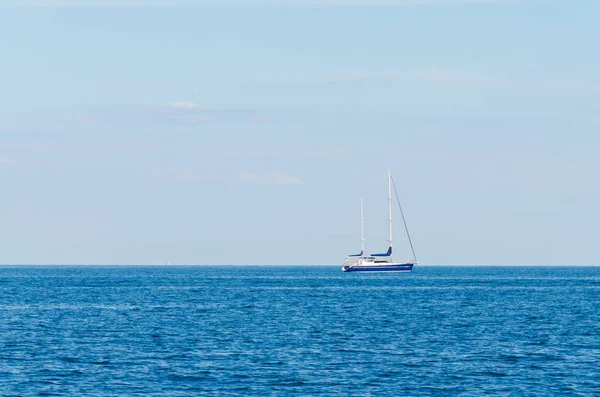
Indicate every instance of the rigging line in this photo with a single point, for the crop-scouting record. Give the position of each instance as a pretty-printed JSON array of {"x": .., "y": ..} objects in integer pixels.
[{"x": 404, "y": 220}]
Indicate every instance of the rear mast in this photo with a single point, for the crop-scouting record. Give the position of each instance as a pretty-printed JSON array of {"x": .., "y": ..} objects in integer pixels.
[{"x": 362, "y": 231}]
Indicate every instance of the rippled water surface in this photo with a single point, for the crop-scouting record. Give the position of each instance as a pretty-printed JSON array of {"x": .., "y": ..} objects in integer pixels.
[{"x": 299, "y": 331}]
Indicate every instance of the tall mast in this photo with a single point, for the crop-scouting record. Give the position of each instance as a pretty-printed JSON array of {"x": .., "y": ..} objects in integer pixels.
[
  {"x": 390, "y": 207},
  {"x": 362, "y": 230}
]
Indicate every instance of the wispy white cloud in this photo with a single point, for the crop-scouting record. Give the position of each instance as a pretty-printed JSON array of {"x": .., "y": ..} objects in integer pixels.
[
  {"x": 184, "y": 113},
  {"x": 439, "y": 76},
  {"x": 462, "y": 78},
  {"x": 182, "y": 105},
  {"x": 191, "y": 113},
  {"x": 270, "y": 178},
  {"x": 442, "y": 78},
  {"x": 188, "y": 175},
  {"x": 77, "y": 118},
  {"x": 243, "y": 177},
  {"x": 4, "y": 160},
  {"x": 180, "y": 113},
  {"x": 170, "y": 3}
]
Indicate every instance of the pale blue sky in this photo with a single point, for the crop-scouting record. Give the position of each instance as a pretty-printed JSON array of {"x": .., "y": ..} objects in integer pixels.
[{"x": 147, "y": 132}]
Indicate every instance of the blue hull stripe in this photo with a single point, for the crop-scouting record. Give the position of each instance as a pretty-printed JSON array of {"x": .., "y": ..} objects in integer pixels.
[{"x": 407, "y": 267}]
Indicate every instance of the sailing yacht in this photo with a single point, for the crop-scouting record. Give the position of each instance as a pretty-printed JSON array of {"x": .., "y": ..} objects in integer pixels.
[{"x": 380, "y": 262}]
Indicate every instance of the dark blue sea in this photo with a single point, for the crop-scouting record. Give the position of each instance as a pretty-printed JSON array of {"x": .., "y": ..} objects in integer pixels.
[{"x": 299, "y": 331}]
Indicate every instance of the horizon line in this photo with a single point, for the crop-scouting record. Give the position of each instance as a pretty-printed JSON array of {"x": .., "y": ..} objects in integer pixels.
[{"x": 267, "y": 265}]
